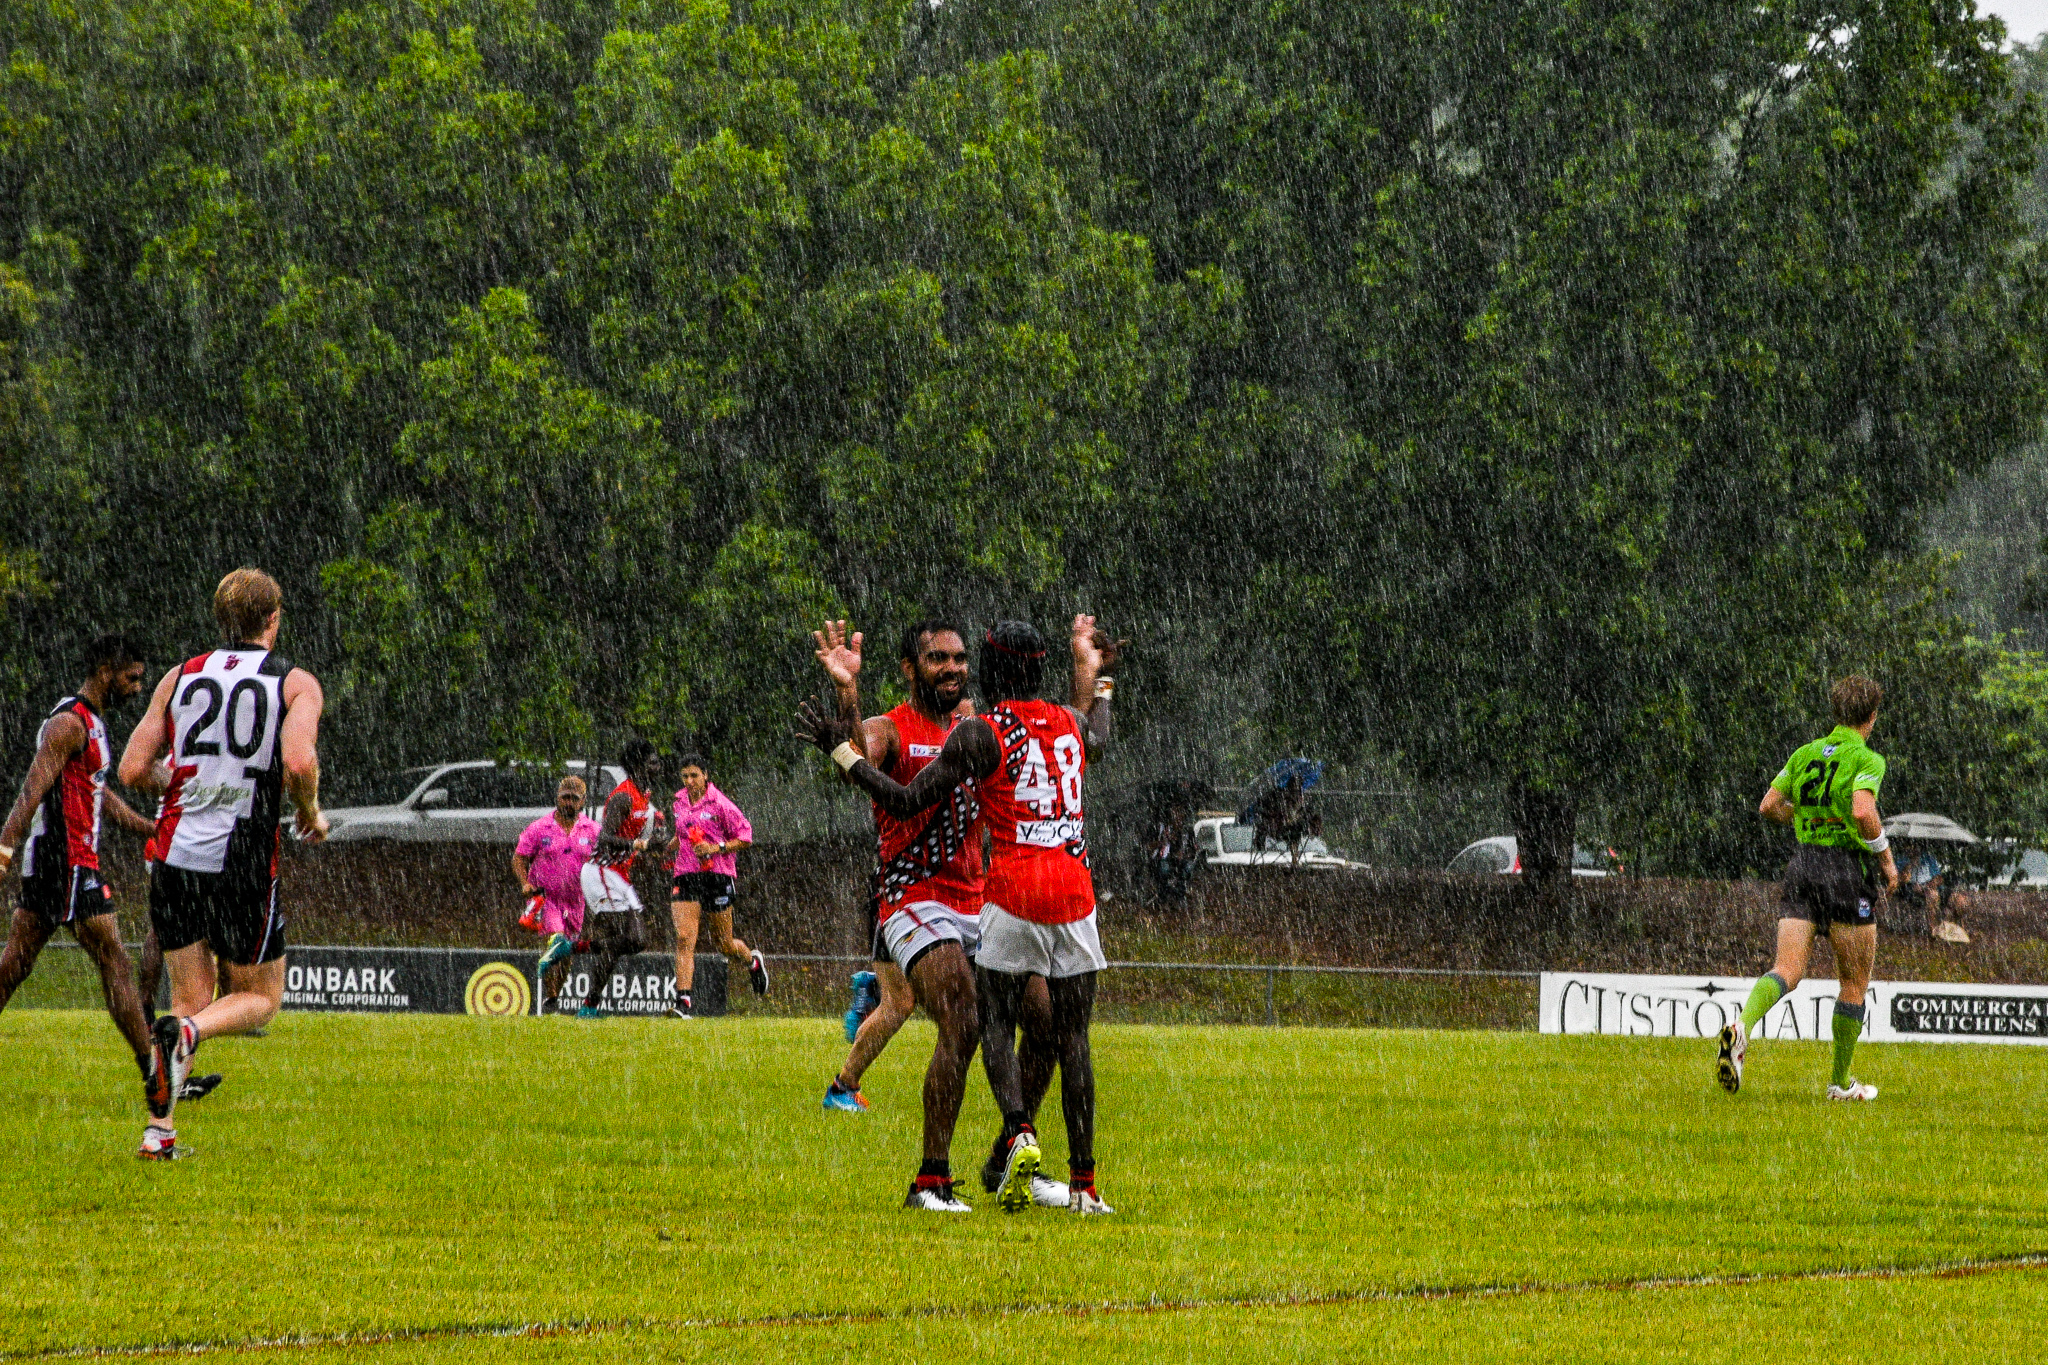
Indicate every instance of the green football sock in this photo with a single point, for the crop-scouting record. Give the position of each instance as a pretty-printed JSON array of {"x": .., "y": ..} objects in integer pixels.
[
  {"x": 1768, "y": 991},
  {"x": 1848, "y": 1028}
]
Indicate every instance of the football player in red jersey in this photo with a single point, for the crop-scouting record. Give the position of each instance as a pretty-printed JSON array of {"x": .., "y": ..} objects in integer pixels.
[
  {"x": 632, "y": 826},
  {"x": 58, "y": 815},
  {"x": 1025, "y": 759},
  {"x": 926, "y": 892}
]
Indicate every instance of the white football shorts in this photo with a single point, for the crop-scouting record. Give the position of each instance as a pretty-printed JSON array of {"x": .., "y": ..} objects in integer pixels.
[
  {"x": 917, "y": 927},
  {"x": 606, "y": 892},
  {"x": 1011, "y": 943}
]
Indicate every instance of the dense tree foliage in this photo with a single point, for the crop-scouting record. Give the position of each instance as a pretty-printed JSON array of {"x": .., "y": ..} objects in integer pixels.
[{"x": 1538, "y": 396}]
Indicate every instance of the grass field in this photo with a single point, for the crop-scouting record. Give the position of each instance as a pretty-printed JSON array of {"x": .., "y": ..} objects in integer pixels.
[{"x": 401, "y": 1188}]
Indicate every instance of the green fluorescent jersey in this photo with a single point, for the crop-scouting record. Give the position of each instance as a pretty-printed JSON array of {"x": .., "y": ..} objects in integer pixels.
[{"x": 1821, "y": 781}]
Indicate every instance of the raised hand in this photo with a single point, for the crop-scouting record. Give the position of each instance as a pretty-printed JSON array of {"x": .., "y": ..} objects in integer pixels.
[
  {"x": 822, "y": 725},
  {"x": 839, "y": 652},
  {"x": 1092, "y": 646}
]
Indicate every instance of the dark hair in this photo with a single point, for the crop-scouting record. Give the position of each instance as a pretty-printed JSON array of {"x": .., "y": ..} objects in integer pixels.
[
  {"x": 1854, "y": 699},
  {"x": 1012, "y": 661},
  {"x": 912, "y": 643},
  {"x": 112, "y": 651},
  {"x": 636, "y": 754},
  {"x": 693, "y": 759}
]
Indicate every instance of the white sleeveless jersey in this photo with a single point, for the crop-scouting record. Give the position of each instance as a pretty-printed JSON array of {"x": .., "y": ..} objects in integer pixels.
[{"x": 220, "y": 811}]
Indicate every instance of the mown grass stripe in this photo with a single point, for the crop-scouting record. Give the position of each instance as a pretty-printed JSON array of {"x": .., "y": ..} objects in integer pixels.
[{"x": 2030, "y": 1260}]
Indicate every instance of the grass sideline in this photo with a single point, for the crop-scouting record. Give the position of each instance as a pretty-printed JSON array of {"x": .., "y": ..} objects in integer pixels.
[{"x": 444, "y": 1175}]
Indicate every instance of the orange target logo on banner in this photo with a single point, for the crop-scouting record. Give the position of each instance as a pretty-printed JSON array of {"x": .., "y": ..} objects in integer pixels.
[{"x": 497, "y": 988}]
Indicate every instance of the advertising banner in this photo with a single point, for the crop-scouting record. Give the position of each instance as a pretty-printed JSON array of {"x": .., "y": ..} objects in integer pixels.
[
  {"x": 483, "y": 981},
  {"x": 1698, "y": 1007}
]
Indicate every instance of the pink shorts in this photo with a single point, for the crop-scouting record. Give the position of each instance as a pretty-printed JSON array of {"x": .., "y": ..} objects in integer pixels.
[{"x": 558, "y": 917}]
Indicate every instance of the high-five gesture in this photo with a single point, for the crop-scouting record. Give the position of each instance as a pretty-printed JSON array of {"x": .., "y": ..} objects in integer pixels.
[
  {"x": 839, "y": 652},
  {"x": 822, "y": 725},
  {"x": 1093, "y": 647}
]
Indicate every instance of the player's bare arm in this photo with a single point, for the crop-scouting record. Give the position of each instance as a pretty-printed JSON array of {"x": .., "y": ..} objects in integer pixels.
[
  {"x": 1776, "y": 807},
  {"x": 971, "y": 751},
  {"x": 298, "y": 739},
  {"x": 1870, "y": 825},
  {"x": 127, "y": 817},
  {"x": 150, "y": 741},
  {"x": 61, "y": 743},
  {"x": 1094, "y": 655},
  {"x": 839, "y": 654}
]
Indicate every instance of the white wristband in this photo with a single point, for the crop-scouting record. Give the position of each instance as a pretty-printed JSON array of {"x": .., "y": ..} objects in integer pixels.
[
  {"x": 846, "y": 756},
  {"x": 1879, "y": 844},
  {"x": 1105, "y": 688}
]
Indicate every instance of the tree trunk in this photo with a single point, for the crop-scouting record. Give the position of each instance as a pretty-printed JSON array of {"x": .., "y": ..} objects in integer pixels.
[{"x": 1546, "y": 827}]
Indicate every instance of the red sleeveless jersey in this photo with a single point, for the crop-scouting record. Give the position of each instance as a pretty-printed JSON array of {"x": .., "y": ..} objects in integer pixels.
[
  {"x": 65, "y": 832},
  {"x": 1032, "y": 802},
  {"x": 935, "y": 855},
  {"x": 633, "y": 825}
]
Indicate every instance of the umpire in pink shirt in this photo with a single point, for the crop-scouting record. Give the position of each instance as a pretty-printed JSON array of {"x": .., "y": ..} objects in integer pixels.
[
  {"x": 549, "y": 862},
  {"x": 710, "y": 831}
]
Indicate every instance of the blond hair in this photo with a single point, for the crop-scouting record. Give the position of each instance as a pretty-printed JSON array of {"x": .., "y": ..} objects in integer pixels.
[
  {"x": 571, "y": 783},
  {"x": 244, "y": 603}
]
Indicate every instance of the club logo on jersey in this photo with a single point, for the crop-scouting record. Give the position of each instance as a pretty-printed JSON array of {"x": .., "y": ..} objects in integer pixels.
[
  {"x": 1828, "y": 750},
  {"x": 925, "y": 750},
  {"x": 232, "y": 662}
]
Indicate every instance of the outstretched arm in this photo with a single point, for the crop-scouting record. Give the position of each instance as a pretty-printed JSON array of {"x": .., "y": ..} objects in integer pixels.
[
  {"x": 970, "y": 751},
  {"x": 1094, "y": 655},
  {"x": 839, "y": 654}
]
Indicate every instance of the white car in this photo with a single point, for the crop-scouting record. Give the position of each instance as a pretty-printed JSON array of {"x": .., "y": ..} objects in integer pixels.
[
  {"x": 1222, "y": 841},
  {"x": 474, "y": 802},
  {"x": 2029, "y": 869},
  {"x": 1502, "y": 854}
]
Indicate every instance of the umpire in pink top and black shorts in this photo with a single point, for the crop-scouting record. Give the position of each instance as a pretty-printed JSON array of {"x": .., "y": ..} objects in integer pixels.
[
  {"x": 548, "y": 861},
  {"x": 710, "y": 832}
]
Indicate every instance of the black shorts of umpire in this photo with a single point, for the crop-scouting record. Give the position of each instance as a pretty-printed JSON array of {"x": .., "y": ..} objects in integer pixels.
[
  {"x": 1826, "y": 886},
  {"x": 235, "y": 915},
  {"x": 711, "y": 890}
]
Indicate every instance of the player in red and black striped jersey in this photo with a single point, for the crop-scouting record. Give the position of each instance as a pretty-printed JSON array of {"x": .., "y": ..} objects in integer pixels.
[
  {"x": 1025, "y": 760},
  {"x": 58, "y": 816},
  {"x": 926, "y": 890}
]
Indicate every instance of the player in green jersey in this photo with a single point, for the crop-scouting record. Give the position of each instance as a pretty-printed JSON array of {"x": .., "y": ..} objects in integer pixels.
[{"x": 1827, "y": 792}]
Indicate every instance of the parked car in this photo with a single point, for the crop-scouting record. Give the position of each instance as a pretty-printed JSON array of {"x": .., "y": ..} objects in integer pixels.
[
  {"x": 2030, "y": 868},
  {"x": 1502, "y": 854},
  {"x": 473, "y": 802},
  {"x": 1225, "y": 841}
]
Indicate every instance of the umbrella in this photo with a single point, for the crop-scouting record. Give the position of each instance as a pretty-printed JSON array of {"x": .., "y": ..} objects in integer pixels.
[{"x": 1935, "y": 828}]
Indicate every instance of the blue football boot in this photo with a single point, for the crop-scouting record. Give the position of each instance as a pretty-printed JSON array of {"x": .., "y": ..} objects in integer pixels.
[{"x": 867, "y": 996}]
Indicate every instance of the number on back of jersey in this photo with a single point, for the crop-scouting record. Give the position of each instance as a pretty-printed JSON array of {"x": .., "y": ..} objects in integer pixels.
[{"x": 1034, "y": 782}]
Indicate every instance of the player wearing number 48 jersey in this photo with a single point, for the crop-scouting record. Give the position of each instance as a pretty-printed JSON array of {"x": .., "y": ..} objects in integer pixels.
[
  {"x": 1027, "y": 760},
  {"x": 229, "y": 737}
]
